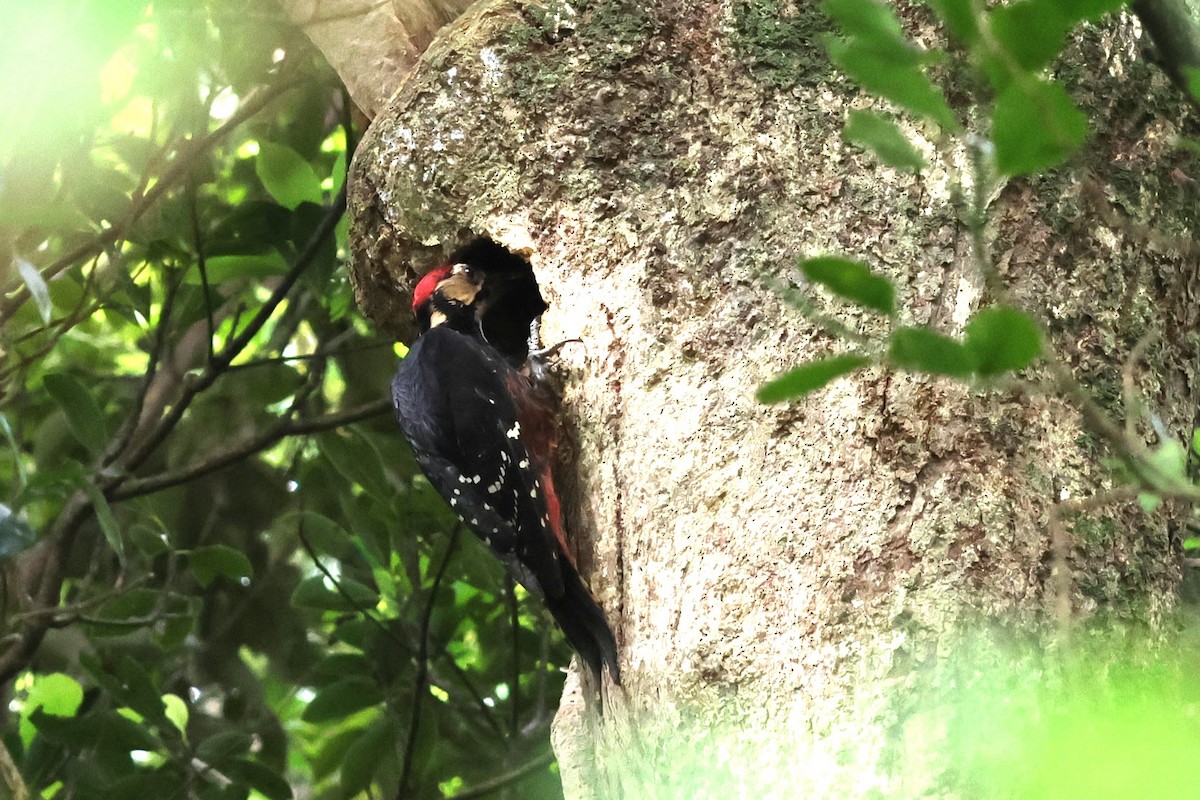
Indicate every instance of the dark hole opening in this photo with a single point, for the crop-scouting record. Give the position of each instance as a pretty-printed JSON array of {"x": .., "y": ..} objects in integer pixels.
[{"x": 517, "y": 301}]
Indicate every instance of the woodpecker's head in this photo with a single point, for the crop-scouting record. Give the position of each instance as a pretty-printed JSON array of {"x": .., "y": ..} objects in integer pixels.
[
  {"x": 452, "y": 295},
  {"x": 485, "y": 289}
]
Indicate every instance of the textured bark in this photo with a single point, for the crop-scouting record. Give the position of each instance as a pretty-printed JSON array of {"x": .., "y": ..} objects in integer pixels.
[
  {"x": 372, "y": 44},
  {"x": 788, "y": 583}
]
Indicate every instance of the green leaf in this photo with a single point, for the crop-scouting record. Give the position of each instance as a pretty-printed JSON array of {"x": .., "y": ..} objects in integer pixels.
[
  {"x": 1192, "y": 76},
  {"x": 128, "y": 607},
  {"x": 342, "y": 665},
  {"x": 108, "y": 730},
  {"x": 1090, "y": 10},
  {"x": 925, "y": 350},
  {"x": 218, "y": 560},
  {"x": 355, "y": 458},
  {"x": 341, "y": 699},
  {"x": 104, "y": 515},
  {"x": 903, "y": 84},
  {"x": 138, "y": 690},
  {"x": 1031, "y": 32},
  {"x": 325, "y": 535},
  {"x": 364, "y": 758},
  {"x": 83, "y": 412},
  {"x": 1035, "y": 126},
  {"x": 312, "y": 593},
  {"x": 809, "y": 377},
  {"x": 39, "y": 290},
  {"x": 261, "y": 778},
  {"x": 873, "y": 24},
  {"x": 56, "y": 693},
  {"x": 150, "y": 539},
  {"x": 177, "y": 712},
  {"x": 1169, "y": 462},
  {"x": 1002, "y": 339},
  {"x": 1191, "y": 543},
  {"x": 287, "y": 176},
  {"x": 882, "y": 137},
  {"x": 339, "y": 171},
  {"x": 959, "y": 16},
  {"x": 1149, "y": 501},
  {"x": 852, "y": 280},
  {"x": 223, "y": 747},
  {"x": 221, "y": 269}
]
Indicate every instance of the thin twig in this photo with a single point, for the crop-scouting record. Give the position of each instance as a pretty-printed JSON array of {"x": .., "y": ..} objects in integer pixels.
[
  {"x": 504, "y": 779},
  {"x": 420, "y": 683},
  {"x": 125, "y": 434},
  {"x": 465, "y": 680},
  {"x": 220, "y": 362},
  {"x": 300, "y": 427},
  {"x": 12, "y": 775},
  {"x": 202, "y": 268},
  {"x": 1129, "y": 382},
  {"x": 514, "y": 689}
]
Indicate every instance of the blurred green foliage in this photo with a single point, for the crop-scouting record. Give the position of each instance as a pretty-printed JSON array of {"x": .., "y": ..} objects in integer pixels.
[{"x": 224, "y": 576}]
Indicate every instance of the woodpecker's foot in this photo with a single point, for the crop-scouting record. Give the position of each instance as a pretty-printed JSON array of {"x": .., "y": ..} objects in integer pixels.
[
  {"x": 538, "y": 355},
  {"x": 538, "y": 363},
  {"x": 547, "y": 352}
]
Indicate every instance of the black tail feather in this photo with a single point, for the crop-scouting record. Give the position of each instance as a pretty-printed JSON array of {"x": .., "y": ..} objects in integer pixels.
[{"x": 582, "y": 621}]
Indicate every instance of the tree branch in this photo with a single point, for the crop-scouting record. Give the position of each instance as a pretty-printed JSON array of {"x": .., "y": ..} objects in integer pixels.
[
  {"x": 219, "y": 363},
  {"x": 1175, "y": 37},
  {"x": 155, "y": 483}
]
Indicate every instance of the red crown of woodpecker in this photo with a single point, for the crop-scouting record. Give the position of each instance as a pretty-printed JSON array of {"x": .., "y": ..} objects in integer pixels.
[{"x": 428, "y": 285}]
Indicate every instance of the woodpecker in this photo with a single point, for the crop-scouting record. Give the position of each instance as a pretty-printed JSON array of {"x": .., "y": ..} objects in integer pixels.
[{"x": 483, "y": 432}]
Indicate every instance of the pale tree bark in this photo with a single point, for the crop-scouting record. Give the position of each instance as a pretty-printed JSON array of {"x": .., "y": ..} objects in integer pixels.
[
  {"x": 790, "y": 585},
  {"x": 372, "y": 44}
]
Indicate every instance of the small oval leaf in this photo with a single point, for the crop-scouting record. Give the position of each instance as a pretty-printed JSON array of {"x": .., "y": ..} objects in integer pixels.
[
  {"x": 83, "y": 412},
  {"x": 925, "y": 350},
  {"x": 364, "y": 758},
  {"x": 39, "y": 290},
  {"x": 809, "y": 377},
  {"x": 218, "y": 560},
  {"x": 341, "y": 699},
  {"x": 881, "y": 136},
  {"x": 287, "y": 176},
  {"x": 354, "y": 596},
  {"x": 1002, "y": 339},
  {"x": 852, "y": 280},
  {"x": 1035, "y": 126}
]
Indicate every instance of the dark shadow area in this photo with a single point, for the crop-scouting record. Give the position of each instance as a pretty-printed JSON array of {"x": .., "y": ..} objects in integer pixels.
[{"x": 515, "y": 300}]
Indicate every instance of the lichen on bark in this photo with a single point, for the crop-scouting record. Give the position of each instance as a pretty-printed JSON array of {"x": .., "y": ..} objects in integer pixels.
[{"x": 786, "y": 582}]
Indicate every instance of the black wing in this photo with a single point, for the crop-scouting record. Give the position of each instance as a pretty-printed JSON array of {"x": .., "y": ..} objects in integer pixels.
[{"x": 452, "y": 403}]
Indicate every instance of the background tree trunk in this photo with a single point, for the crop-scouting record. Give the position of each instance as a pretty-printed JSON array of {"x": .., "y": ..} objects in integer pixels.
[{"x": 791, "y": 585}]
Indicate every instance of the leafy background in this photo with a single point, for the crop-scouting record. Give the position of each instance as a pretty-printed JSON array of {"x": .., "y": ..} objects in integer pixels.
[
  {"x": 268, "y": 599},
  {"x": 223, "y": 575}
]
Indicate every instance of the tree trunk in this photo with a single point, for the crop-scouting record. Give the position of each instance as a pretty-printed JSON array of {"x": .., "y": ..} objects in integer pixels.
[{"x": 792, "y": 586}]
